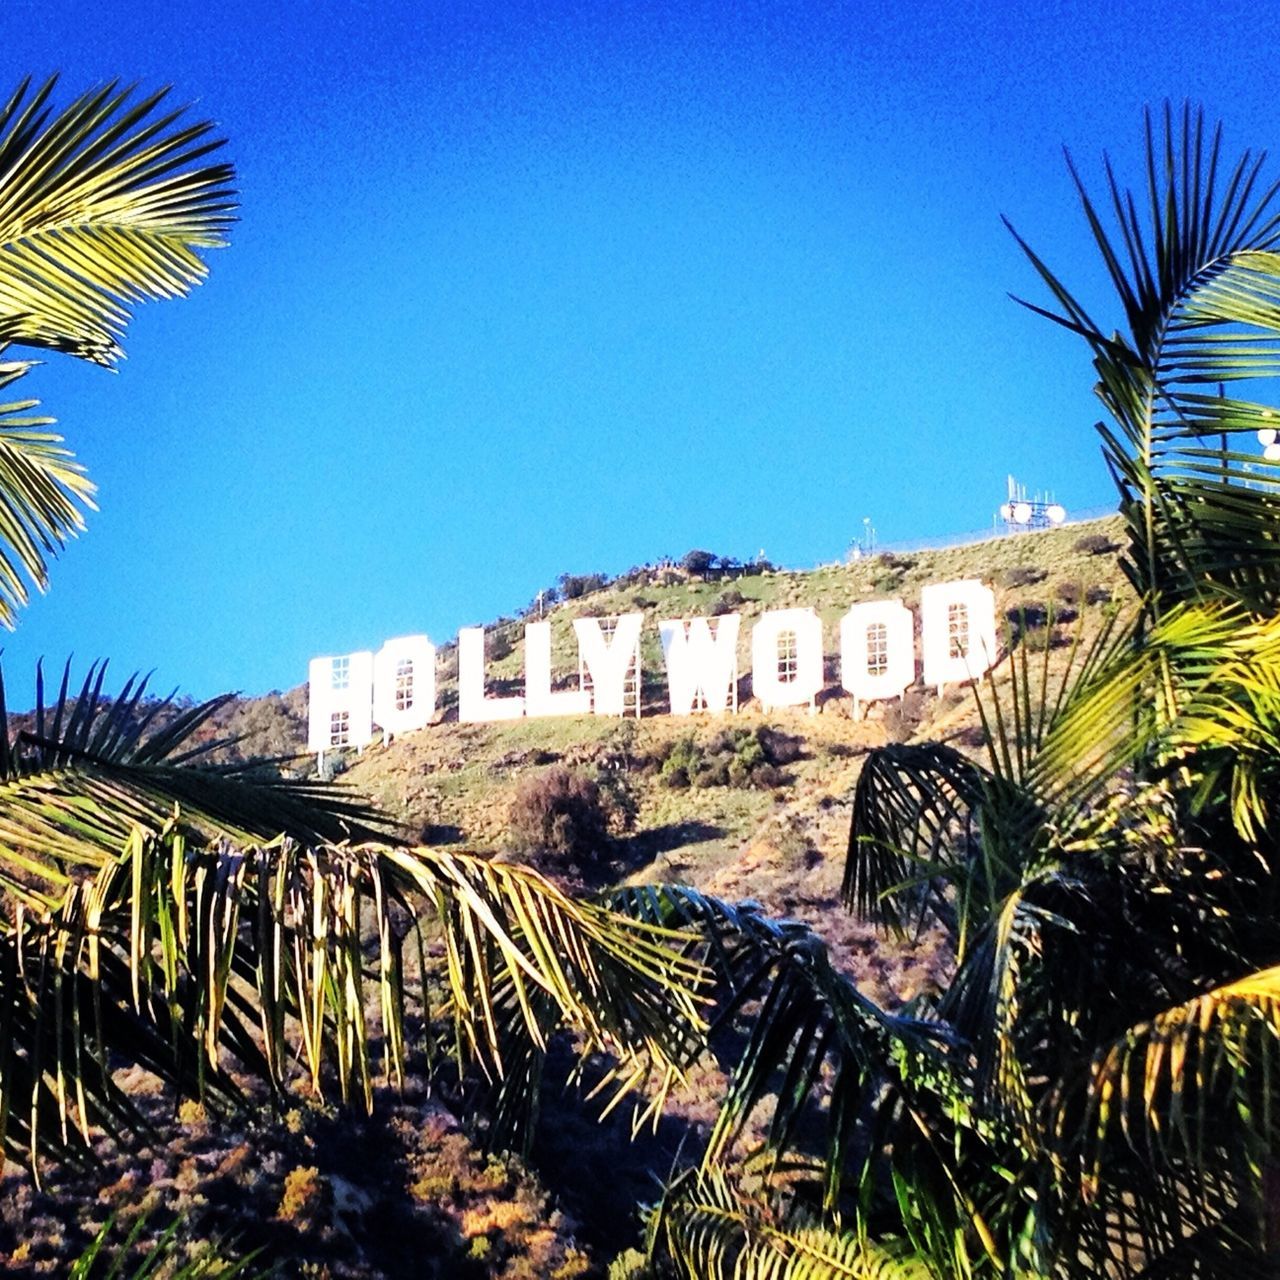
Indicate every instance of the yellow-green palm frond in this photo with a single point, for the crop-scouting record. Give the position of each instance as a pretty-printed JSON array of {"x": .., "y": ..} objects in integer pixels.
[
  {"x": 709, "y": 1228},
  {"x": 1195, "y": 263},
  {"x": 819, "y": 1065},
  {"x": 176, "y": 1242},
  {"x": 90, "y": 770},
  {"x": 175, "y": 953},
  {"x": 43, "y": 491},
  {"x": 1166, "y": 1079},
  {"x": 523, "y": 959},
  {"x": 103, "y": 203}
]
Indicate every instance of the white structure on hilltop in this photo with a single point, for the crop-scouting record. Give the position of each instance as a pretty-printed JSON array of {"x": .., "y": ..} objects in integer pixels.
[{"x": 396, "y": 688}]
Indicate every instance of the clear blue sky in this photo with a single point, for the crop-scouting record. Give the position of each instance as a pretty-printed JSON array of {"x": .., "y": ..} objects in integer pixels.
[{"x": 527, "y": 288}]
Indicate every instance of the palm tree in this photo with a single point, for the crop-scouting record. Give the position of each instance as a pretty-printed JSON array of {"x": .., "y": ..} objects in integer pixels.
[
  {"x": 100, "y": 207},
  {"x": 160, "y": 911},
  {"x": 1093, "y": 1093}
]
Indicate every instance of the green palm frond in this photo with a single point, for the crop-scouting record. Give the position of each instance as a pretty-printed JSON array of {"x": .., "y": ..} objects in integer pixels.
[
  {"x": 811, "y": 1025},
  {"x": 91, "y": 770},
  {"x": 707, "y": 1228},
  {"x": 1144, "y": 1224},
  {"x": 176, "y": 954},
  {"x": 168, "y": 1251},
  {"x": 1227, "y": 722},
  {"x": 103, "y": 203},
  {"x": 42, "y": 492},
  {"x": 523, "y": 960},
  {"x": 1196, "y": 267},
  {"x": 913, "y": 809}
]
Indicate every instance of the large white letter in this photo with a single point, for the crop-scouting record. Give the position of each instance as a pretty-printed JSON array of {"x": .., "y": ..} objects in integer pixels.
[
  {"x": 472, "y": 704},
  {"x": 404, "y": 685},
  {"x": 340, "y": 702},
  {"x": 786, "y": 657},
  {"x": 877, "y": 650},
  {"x": 958, "y": 624},
  {"x": 609, "y": 660},
  {"x": 701, "y": 666},
  {"x": 539, "y": 698}
]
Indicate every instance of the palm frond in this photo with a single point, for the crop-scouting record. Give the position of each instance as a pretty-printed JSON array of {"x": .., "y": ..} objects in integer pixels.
[
  {"x": 103, "y": 203},
  {"x": 1196, "y": 269},
  {"x": 706, "y": 1227},
  {"x": 522, "y": 959},
  {"x": 1141, "y": 1223},
  {"x": 811, "y": 1025},
  {"x": 91, "y": 770},
  {"x": 913, "y": 808},
  {"x": 175, "y": 954},
  {"x": 42, "y": 492},
  {"x": 167, "y": 1251},
  {"x": 1164, "y": 1079}
]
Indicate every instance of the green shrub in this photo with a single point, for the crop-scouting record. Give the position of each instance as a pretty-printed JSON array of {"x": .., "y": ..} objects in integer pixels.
[
  {"x": 575, "y": 585},
  {"x": 730, "y": 758},
  {"x": 897, "y": 563},
  {"x": 681, "y": 762},
  {"x": 904, "y": 715},
  {"x": 498, "y": 644},
  {"x": 698, "y": 562},
  {"x": 1030, "y": 615}
]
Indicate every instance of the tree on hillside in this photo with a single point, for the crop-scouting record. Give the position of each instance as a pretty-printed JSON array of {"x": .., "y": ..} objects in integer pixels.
[
  {"x": 698, "y": 563},
  {"x": 1094, "y": 1094}
]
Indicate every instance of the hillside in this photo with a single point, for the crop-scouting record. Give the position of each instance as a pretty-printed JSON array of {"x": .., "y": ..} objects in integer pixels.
[
  {"x": 752, "y": 804},
  {"x": 744, "y": 806},
  {"x": 778, "y": 835}
]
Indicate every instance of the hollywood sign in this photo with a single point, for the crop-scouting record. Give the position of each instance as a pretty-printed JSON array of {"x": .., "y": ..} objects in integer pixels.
[{"x": 396, "y": 687}]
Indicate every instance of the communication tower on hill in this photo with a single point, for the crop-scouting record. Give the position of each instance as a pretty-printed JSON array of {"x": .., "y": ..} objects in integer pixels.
[{"x": 1019, "y": 512}]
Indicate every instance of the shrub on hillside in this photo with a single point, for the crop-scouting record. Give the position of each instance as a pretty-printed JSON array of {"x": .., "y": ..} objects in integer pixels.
[
  {"x": 498, "y": 644},
  {"x": 1098, "y": 595},
  {"x": 637, "y": 575},
  {"x": 895, "y": 563},
  {"x": 904, "y": 715},
  {"x": 1030, "y": 615},
  {"x": 727, "y": 601},
  {"x": 731, "y": 758},
  {"x": 540, "y": 603},
  {"x": 559, "y": 811},
  {"x": 1094, "y": 544},
  {"x": 1023, "y": 575},
  {"x": 698, "y": 562},
  {"x": 575, "y": 585},
  {"x": 1070, "y": 593},
  {"x": 780, "y": 748}
]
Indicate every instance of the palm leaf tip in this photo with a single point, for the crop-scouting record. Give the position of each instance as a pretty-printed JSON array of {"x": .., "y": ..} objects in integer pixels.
[{"x": 103, "y": 204}]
